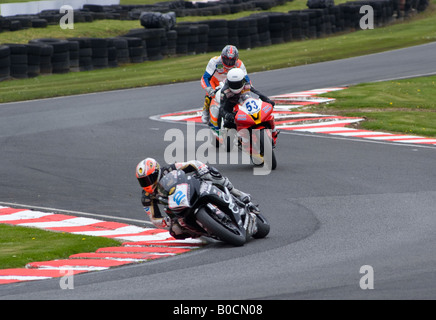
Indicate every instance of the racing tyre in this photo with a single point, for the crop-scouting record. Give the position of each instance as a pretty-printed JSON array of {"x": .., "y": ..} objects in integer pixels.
[
  {"x": 229, "y": 142},
  {"x": 266, "y": 148},
  {"x": 230, "y": 234},
  {"x": 214, "y": 140},
  {"x": 263, "y": 227}
]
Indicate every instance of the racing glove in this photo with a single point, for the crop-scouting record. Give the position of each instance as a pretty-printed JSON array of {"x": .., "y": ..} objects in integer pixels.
[
  {"x": 229, "y": 120},
  {"x": 210, "y": 91}
]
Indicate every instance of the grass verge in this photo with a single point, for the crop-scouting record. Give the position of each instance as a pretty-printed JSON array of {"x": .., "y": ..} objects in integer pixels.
[
  {"x": 418, "y": 30},
  {"x": 401, "y": 106},
  {"x": 21, "y": 245}
]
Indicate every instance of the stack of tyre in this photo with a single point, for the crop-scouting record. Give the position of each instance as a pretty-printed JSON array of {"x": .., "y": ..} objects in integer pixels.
[
  {"x": 280, "y": 27},
  {"x": 157, "y": 25},
  {"x": 182, "y": 41},
  {"x": 100, "y": 55},
  {"x": 122, "y": 50},
  {"x": 51, "y": 16},
  {"x": 112, "y": 54},
  {"x": 233, "y": 32},
  {"x": 18, "y": 60},
  {"x": 263, "y": 29},
  {"x": 5, "y": 62},
  {"x": 46, "y": 53},
  {"x": 171, "y": 42},
  {"x": 192, "y": 37},
  {"x": 218, "y": 34},
  {"x": 34, "y": 59},
  {"x": 74, "y": 55},
  {"x": 296, "y": 25},
  {"x": 156, "y": 43},
  {"x": 60, "y": 60},
  {"x": 136, "y": 50},
  {"x": 203, "y": 38},
  {"x": 351, "y": 15},
  {"x": 139, "y": 51},
  {"x": 84, "y": 53}
]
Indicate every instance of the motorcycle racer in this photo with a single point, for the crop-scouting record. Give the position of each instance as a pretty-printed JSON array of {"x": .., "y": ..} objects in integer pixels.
[
  {"x": 234, "y": 86},
  {"x": 149, "y": 173},
  {"x": 216, "y": 72}
]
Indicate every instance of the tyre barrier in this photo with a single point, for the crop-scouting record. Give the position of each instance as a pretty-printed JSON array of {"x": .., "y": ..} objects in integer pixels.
[
  {"x": 112, "y": 55},
  {"x": 33, "y": 60},
  {"x": 5, "y": 62},
  {"x": 122, "y": 50},
  {"x": 19, "y": 60},
  {"x": 74, "y": 55},
  {"x": 158, "y": 40},
  {"x": 100, "y": 55},
  {"x": 182, "y": 40},
  {"x": 171, "y": 42},
  {"x": 60, "y": 59},
  {"x": 160, "y": 19},
  {"x": 218, "y": 35},
  {"x": 135, "y": 49},
  {"x": 84, "y": 53}
]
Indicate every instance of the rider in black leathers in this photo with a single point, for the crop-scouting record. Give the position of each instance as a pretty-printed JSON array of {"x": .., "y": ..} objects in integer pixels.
[{"x": 149, "y": 173}]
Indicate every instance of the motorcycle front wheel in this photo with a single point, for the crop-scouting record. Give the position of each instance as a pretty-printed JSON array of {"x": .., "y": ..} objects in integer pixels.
[
  {"x": 267, "y": 150},
  {"x": 263, "y": 144},
  {"x": 228, "y": 232},
  {"x": 263, "y": 227}
]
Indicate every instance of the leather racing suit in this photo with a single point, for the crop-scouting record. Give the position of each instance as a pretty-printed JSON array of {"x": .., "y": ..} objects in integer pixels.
[{"x": 150, "y": 201}]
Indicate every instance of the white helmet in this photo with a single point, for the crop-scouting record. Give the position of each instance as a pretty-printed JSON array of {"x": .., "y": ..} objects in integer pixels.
[{"x": 236, "y": 80}]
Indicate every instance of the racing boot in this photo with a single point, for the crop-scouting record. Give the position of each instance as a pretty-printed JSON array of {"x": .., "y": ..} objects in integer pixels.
[
  {"x": 244, "y": 197},
  {"x": 217, "y": 178},
  {"x": 205, "y": 114},
  {"x": 275, "y": 132}
]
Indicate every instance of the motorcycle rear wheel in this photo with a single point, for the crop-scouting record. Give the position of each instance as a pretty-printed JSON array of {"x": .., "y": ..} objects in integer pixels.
[{"x": 234, "y": 236}]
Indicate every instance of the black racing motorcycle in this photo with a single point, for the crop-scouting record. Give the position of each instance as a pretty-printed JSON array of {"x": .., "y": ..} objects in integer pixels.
[{"x": 200, "y": 208}]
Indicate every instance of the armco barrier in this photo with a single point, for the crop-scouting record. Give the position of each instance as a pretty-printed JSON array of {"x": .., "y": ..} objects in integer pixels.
[{"x": 170, "y": 38}]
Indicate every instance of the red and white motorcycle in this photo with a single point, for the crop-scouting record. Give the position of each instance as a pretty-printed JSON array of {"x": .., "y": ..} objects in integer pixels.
[{"x": 253, "y": 134}]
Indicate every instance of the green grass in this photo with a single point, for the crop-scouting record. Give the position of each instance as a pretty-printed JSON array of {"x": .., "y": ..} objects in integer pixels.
[
  {"x": 22, "y": 245},
  {"x": 402, "y": 106},
  {"x": 96, "y": 29}
]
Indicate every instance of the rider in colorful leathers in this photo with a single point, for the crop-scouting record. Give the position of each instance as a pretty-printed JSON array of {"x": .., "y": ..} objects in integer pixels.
[
  {"x": 149, "y": 173},
  {"x": 216, "y": 72}
]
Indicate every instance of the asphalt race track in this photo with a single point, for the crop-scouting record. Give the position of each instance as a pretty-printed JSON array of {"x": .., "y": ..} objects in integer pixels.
[{"x": 335, "y": 204}]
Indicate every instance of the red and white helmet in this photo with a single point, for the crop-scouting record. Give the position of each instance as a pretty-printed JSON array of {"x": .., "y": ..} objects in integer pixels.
[
  {"x": 229, "y": 56},
  {"x": 148, "y": 174}
]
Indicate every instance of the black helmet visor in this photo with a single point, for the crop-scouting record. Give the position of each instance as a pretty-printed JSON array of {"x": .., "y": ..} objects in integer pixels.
[
  {"x": 230, "y": 62},
  {"x": 149, "y": 180},
  {"x": 236, "y": 85}
]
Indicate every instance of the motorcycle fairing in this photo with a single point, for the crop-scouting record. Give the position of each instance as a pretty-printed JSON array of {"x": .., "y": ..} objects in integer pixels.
[{"x": 179, "y": 199}]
